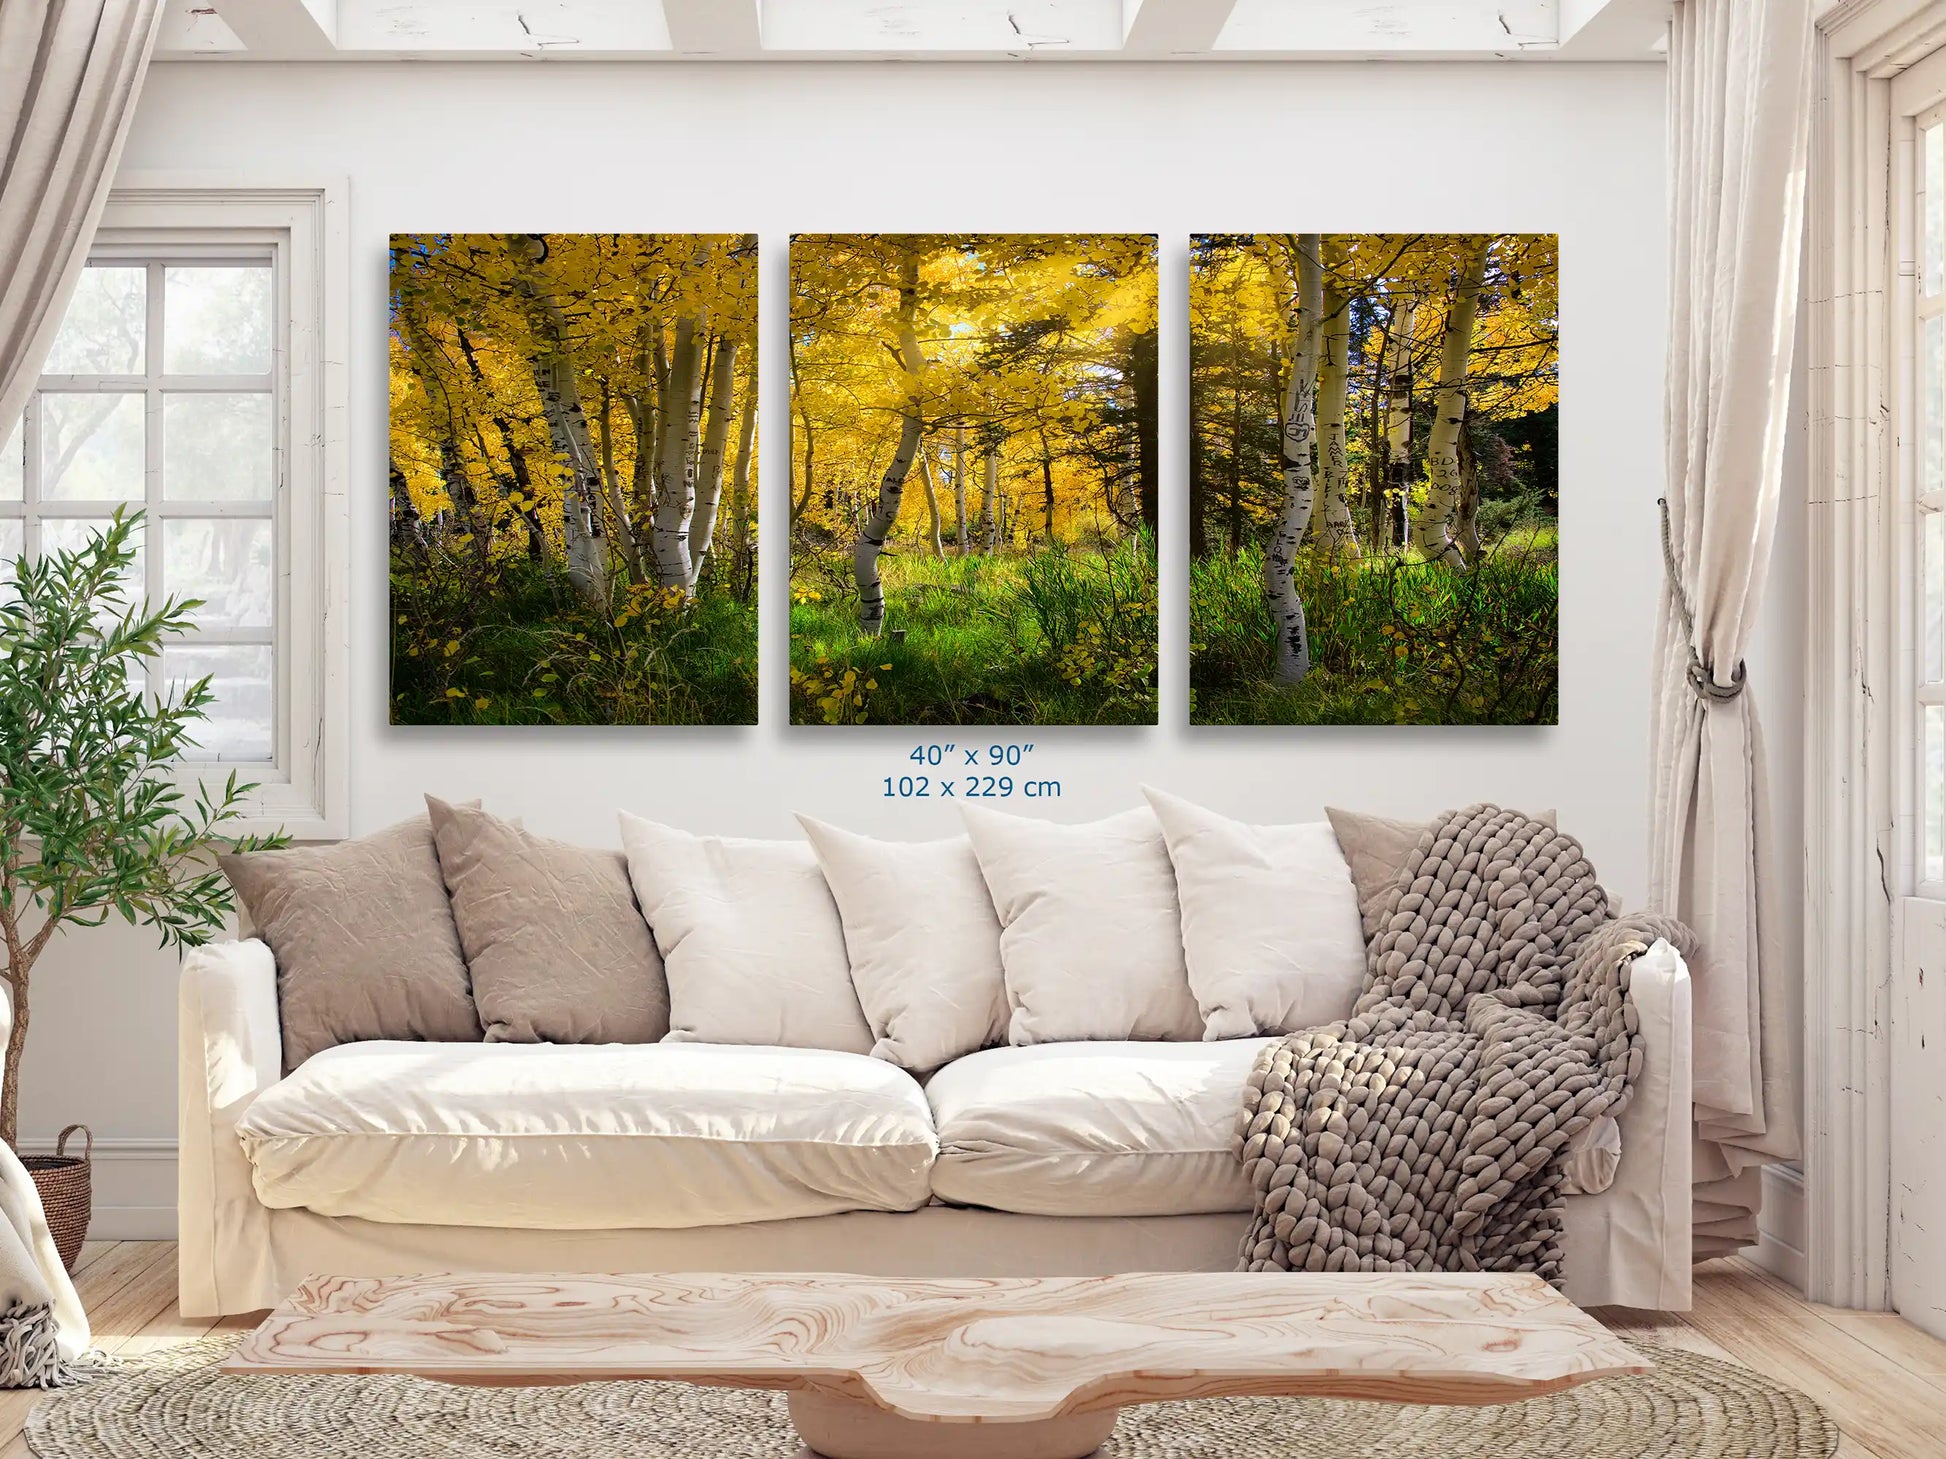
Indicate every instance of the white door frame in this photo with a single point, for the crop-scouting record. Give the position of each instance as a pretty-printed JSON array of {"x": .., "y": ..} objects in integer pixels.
[{"x": 1855, "y": 858}]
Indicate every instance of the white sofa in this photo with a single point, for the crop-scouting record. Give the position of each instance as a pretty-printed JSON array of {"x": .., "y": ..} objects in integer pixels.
[{"x": 1070, "y": 1158}]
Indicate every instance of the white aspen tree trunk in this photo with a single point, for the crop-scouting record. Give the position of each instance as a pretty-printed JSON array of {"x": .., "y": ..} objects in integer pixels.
[
  {"x": 959, "y": 491},
  {"x": 1433, "y": 532},
  {"x": 740, "y": 481},
  {"x": 1334, "y": 379},
  {"x": 1398, "y": 419},
  {"x": 877, "y": 526},
  {"x": 990, "y": 488},
  {"x": 675, "y": 492},
  {"x": 1300, "y": 426},
  {"x": 932, "y": 504},
  {"x": 567, "y": 424},
  {"x": 709, "y": 473}
]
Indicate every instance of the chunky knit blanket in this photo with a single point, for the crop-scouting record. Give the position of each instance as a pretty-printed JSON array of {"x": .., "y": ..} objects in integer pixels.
[{"x": 1427, "y": 1132}]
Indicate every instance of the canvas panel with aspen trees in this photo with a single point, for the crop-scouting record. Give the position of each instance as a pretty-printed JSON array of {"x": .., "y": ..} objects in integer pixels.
[
  {"x": 1374, "y": 478},
  {"x": 573, "y": 478},
  {"x": 973, "y": 479}
]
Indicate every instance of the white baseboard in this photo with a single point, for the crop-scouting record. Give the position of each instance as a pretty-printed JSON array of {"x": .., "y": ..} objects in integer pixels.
[
  {"x": 134, "y": 1182},
  {"x": 1781, "y": 1224}
]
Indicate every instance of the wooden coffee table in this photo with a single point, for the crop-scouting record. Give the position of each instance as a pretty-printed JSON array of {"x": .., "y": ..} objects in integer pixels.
[{"x": 1015, "y": 1368}]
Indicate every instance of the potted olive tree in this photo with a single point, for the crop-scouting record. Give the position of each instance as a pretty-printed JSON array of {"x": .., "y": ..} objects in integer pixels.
[{"x": 92, "y": 823}]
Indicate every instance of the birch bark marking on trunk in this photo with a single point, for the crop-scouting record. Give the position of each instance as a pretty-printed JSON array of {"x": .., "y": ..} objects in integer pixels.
[
  {"x": 675, "y": 492},
  {"x": 891, "y": 487},
  {"x": 567, "y": 424},
  {"x": 1435, "y": 527},
  {"x": 932, "y": 504},
  {"x": 716, "y": 440},
  {"x": 1398, "y": 421},
  {"x": 959, "y": 491},
  {"x": 1340, "y": 534},
  {"x": 989, "y": 488},
  {"x": 740, "y": 482},
  {"x": 1300, "y": 425}
]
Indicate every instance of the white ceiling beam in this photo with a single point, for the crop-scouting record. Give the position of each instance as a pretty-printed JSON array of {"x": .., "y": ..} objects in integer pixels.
[
  {"x": 937, "y": 28},
  {"x": 1173, "y": 27},
  {"x": 1381, "y": 29},
  {"x": 714, "y": 27},
  {"x": 282, "y": 30},
  {"x": 1612, "y": 30}
]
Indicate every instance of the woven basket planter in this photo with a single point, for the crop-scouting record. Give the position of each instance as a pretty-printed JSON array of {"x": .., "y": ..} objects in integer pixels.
[{"x": 67, "y": 1191}]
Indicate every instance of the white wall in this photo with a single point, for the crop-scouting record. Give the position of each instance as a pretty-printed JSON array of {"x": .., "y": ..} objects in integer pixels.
[{"x": 782, "y": 147}]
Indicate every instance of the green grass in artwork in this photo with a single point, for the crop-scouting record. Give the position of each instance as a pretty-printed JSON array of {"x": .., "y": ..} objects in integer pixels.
[
  {"x": 534, "y": 651},
  {"x": 1395, "y": 640},
  {"x": 1060, "y": 635}
]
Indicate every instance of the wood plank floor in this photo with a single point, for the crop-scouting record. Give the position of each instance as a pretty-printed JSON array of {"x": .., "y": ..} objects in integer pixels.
[{"x": 1882, "y": 1378}]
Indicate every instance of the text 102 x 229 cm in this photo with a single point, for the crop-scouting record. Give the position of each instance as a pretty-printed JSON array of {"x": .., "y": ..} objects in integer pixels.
[{"x": 984, "y": 777}]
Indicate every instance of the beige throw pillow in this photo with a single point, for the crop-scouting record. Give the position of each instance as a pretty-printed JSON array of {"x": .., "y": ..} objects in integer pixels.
[
  {"x": 364, "y": 940},
  {"x": 923, "y": 942},
  {"x": 1270, "y": 923},
  {"x": 750, "y": 939},
  {"x": 1091, "y": 940},
  {"x": 1376, "y": 848},
  {"x": 555, "y": 943}
]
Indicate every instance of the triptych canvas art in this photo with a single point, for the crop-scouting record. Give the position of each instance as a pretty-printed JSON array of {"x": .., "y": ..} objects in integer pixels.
[{"x": 975, "y": 492}]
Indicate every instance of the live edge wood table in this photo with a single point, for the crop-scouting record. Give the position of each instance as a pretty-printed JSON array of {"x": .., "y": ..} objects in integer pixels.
[{"x": 1014, "y": 1368}]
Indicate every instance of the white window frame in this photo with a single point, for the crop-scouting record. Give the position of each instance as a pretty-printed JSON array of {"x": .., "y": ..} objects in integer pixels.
[
  {"x": 1861, "y": 840},
  {"x": 1914, "y": 107},
  {"x": 305, "y": 792}
]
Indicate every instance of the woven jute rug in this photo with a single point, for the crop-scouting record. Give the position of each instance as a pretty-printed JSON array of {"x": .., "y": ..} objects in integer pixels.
[{"x": 177, "y": 1405}]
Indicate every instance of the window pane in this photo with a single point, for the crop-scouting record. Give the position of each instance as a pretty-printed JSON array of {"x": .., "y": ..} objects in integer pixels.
[
  {"x": 69, "y": 534},
  {"x": 1933, "y": 245},
  {"x": 91, "y": 448},
  {"x": 225, "y": 563},
  {"x": 13, "y": 465},
  {"x": 105, "y": 330},
  {"x": 238, "y": 724},
  {"x": 11, "y": 535},
  {"x": 216, "y": 321},
  {"x": 216, "y": 448},
  {"x": 1932, "y": 405},
  {"x": 1932, "y": 595},
  {"x": 1933, "y": 794}
]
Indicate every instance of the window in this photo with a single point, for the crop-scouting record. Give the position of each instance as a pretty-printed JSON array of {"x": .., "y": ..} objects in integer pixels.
[
  {"x": 1926, "y": 470},
  {"x": 194, "y": 377},
  {"x": 159, "y": 392}
]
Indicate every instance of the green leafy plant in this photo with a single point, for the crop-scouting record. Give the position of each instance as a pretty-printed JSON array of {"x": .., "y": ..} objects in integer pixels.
[{"x": 92, "y": 823}]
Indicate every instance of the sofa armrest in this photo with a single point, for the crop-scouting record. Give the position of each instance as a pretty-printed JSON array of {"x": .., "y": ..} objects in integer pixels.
[
  {"x": 1629, "y": 1245},
  {"x": 230, "y": 1049}
]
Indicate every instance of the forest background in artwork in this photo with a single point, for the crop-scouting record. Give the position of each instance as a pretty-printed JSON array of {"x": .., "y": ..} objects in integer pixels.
[
  {"x": 973, "y": 479},
  {"x": 573, "y": 498},
  {"x": 1373, "y": 480}
]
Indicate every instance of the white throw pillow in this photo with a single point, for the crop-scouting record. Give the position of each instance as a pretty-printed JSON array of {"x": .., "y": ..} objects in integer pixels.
[
  {"x": 1090, "y": 938},
  {"x": 750, "y": 939},
  {"x": 1270, "y": 923},
  {"x": 923, "y": 943}
]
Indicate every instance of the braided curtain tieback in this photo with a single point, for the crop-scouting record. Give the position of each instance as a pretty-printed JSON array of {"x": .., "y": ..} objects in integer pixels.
[{"x": 1702, "y": 678}]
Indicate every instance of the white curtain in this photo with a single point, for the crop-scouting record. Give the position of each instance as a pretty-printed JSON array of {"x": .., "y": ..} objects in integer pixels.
[
  {"x": 1739, "y": 111},
  {"x": 69, "y": 73}
]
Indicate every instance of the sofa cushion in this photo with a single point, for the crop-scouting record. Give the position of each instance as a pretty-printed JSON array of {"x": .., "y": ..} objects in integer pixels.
[
  {"x": 1270, "y": 922},
  {"x": 1376, "y": 849},
  {"x": 1093, "y": 1129},
  {"x": 1091, "y": 941},
  {"x": 554, "y": 941},
  {"x": 589, "y": 1136},
  {"x": 750, "y": 938},
  {"x": 930, "y": 985},
  {"x": 364, "y": 938}
]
